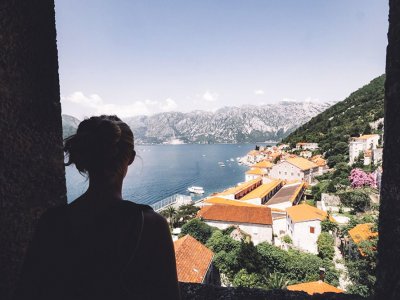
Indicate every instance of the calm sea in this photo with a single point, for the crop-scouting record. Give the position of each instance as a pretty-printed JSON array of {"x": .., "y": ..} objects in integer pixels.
[{"x": 160, "y": 171}]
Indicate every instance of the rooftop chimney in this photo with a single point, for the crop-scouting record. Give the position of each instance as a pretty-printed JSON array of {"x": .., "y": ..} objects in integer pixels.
[{"x": 322, "y": 274}]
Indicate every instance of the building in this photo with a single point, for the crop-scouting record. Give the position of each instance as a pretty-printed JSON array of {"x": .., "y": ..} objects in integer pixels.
[
  {"x": 287, "y": 196},
  {"x": 194, "y": 262},
  {"x": 254, "y": 174},
  {"x": 255, "y": 221},
  {"x": 362, "y": 143},
  {"x": 314, "y": 287},
  {"x": 259, "y": 170},
  {"x": 358, "y": 234},
  {"x": 223, "y": 201},
  {"x": 303, "y": 223},
  {"x": 306, "y": 153},
  {"x": 263, "y": 193},
  {"x": 240, "y": 190},
  {"x": 295, "y": 169},
  {"x": 307, "y": 146},
  {"x": 321, "y": 163}
]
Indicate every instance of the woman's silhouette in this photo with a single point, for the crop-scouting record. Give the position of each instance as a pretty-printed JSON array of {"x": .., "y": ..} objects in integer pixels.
[{"x": 100, "y": 246}]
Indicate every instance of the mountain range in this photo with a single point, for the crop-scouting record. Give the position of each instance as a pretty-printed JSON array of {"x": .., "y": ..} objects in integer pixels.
[{"x": 246, "y": 124}]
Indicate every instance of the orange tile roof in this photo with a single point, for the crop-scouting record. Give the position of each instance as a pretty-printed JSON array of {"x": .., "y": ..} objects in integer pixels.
[
  {"x": 305, "y": 212},
  {"x": 362, "y": 232},
  {"x": 366, "y": 136},
  {"x": 256, "y": 171},
  {"x": 302, "y": 163},
  {"x": 193, "y": 259},
  {"x": 262, "y": 190},
  {"x": 314, "y": 287},
  {"x": 241, "y": 214},
  {"x": 263, "y": 164},
  {"x": 217, "y": 200},
  {"x": 253, "y": 152},
  {"x": 239, "y": 188}
]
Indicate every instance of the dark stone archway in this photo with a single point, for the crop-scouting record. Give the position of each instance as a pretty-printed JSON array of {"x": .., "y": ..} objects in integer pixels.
[
  {"x": 31, "y": 158},
  {"x": 388, "y": 270},
  {"x": 31, "y": 168}
]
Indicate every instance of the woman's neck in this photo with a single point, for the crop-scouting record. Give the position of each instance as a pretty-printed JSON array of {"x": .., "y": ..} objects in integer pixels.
[{"x": 104, "y": 188}]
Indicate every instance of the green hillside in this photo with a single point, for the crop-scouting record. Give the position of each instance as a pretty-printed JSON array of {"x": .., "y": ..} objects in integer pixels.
[{"x": 350, "y": 117}]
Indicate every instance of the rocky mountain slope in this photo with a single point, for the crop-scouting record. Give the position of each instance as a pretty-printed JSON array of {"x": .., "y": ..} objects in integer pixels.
[{"x": 227, "y": 125}]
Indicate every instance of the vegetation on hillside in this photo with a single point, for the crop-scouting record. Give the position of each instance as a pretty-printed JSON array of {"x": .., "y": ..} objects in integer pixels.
[{"x": 350, "y": 117}]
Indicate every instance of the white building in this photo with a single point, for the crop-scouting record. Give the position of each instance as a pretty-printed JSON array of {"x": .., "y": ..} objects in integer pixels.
[
  {"x": 240, "y": 190},
  {"x": 263, "y": 193},
  {"x": 303, "y": 223},
  {"x": 256, "y": 221},
  {"x": 362, "y": 143},
  {"x": 259, "y": 170},
  {"x": 307, "y": 146},
  {"x": 254, "y": 174},
  {"x": 295, "y": 169}
]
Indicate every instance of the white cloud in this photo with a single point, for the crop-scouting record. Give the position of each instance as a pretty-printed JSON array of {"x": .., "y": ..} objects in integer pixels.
[
  {"x": 79, "y": 103},
  {"x": 210, "y": 97},
  {"x": 259, "y": 92}
]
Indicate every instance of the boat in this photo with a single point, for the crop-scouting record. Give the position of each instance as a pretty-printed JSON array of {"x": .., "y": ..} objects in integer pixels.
[{"x": 196, "y": 190}]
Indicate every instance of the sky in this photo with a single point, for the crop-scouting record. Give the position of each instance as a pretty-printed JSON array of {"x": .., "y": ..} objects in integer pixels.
[{"x": 140, "y": 57}]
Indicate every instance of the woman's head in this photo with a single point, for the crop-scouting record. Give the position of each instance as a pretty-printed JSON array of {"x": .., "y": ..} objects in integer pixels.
[{"x": 102, "y": 145}]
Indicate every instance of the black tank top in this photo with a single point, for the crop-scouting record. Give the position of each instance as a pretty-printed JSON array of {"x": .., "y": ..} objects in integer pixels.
[{"x": 90, "y": 259}]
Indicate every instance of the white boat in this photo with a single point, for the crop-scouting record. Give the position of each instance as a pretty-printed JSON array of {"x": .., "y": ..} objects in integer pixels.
[{"x": 196, "y": 189}]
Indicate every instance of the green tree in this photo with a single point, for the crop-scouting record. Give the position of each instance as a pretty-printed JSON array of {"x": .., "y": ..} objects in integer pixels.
[
  {"x": 185, "y": 213},
  {"x": 325, "y": 244},
  {"x": 170, "y": 214},
  {"x": 357, "y": 199},
  {"x": 327, "y": 225},
  {"x": 197, "y": 229},
  {"x": 220, "y": 242}
]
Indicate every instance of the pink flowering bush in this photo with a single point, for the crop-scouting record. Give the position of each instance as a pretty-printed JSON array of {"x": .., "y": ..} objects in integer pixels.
[{"x": 359, "y": 178}]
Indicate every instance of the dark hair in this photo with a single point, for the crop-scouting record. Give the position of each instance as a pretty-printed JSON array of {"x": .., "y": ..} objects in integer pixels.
[{"x": 101, "y": 144}]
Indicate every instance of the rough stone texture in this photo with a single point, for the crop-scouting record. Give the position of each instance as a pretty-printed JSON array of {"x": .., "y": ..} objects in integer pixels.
[
  {"x": 388, "y": 270},
  {"x": 31, "y": 158},
  {"x": 193, "y": 291}
]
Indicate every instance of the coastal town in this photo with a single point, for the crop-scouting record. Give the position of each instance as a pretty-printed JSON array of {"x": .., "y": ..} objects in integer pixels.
[{"x": 292, "y": 203}]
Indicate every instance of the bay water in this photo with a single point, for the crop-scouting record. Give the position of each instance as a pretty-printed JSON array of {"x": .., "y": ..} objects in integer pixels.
[{"x": 160, "y": 171}]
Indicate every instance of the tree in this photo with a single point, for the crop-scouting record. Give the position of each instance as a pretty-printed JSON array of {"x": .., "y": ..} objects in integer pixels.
[
  {"x": 220, "y": 242},
  {"x": 287, "y": 239},
  {"x": 170, "y": 213},
  {"x": 325, "y": 244},
  {"x": 197, "y": 229},
  {"x": 327, "y": 225},
  {"x": 185, "y": 213},
  {"x": 358, "y": 200}
]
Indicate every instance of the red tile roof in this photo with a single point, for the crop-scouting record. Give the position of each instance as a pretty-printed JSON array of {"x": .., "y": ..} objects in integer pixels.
[
  {"x": 241, "y": 214},
  {"x": 193, "y": 259}
]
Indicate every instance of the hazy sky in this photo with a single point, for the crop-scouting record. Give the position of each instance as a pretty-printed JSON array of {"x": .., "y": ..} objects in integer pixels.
[{"x": 134, "y": 57}]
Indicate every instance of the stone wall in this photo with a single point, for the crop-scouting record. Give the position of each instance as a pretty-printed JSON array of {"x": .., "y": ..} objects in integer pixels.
[
  {"x": 31, "y": 169},
  {"x": 388, "y": 271},
  {"x": 193, "y": 291}
]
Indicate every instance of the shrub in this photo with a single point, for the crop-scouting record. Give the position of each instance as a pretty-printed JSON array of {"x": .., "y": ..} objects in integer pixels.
[
  {"x": 287, "y": 239},
  {"x": 325, "y": 244},
  {"x": 197, "y": 229}
]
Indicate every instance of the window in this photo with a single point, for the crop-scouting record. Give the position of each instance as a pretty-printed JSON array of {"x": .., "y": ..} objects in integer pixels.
[
  {"x": 291, "y": 173},
  {"x": 312, "y": 229}
]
